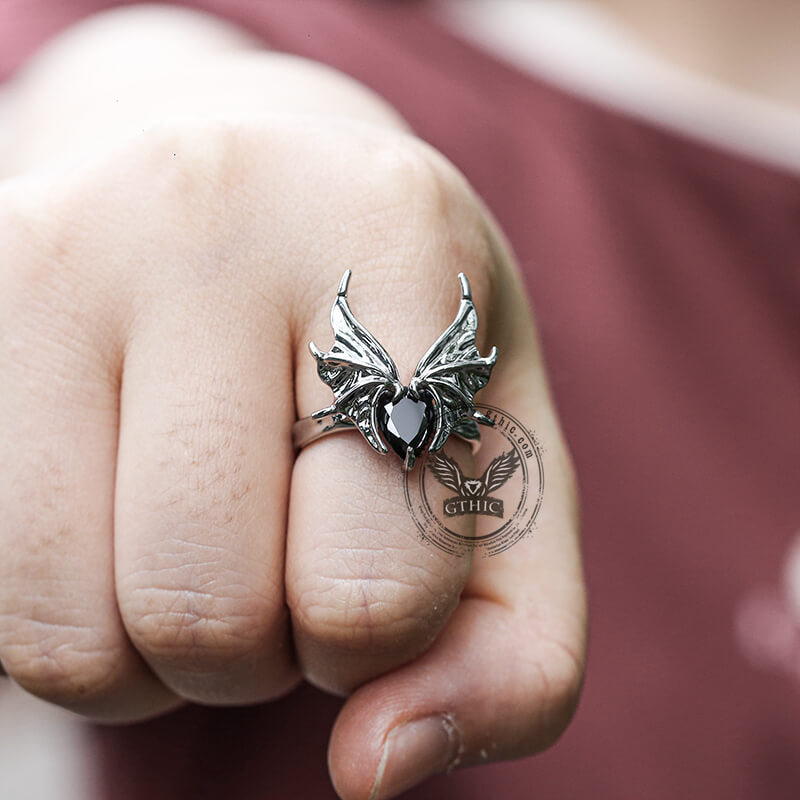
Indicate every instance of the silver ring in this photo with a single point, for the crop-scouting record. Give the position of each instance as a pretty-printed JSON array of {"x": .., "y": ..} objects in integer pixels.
[{"x": 369, "y": 396}]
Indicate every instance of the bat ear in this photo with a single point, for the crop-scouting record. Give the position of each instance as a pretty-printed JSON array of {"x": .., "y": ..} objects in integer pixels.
[
  {"x": 343, "y": 283},
  {"x": 466, "y": 292}
]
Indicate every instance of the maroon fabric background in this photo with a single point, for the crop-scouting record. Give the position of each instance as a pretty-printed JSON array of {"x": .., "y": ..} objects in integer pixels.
[{"x": 666, "y": 281}]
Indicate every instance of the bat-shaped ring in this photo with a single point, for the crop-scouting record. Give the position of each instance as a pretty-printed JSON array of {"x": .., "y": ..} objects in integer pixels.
[{"x": 369, "y": 396}]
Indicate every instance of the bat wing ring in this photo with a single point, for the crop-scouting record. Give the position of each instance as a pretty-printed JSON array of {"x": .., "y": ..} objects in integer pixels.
[{"x": 369, "y": 396}]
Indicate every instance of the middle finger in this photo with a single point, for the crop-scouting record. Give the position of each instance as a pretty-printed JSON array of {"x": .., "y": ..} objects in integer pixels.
[{"x": 202, "y": 485}]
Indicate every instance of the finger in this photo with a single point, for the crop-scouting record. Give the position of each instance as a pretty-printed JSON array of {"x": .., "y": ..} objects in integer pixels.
[
  {"x": 61, "y": 637},
  {"x": 202, "y": 489},
  {"x": 366, "y": 593},
  {"x": 503, "y": 678}
]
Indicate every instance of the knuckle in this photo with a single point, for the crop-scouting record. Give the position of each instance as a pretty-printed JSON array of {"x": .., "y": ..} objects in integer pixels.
[
  {"x": 198, "y": 163},
  {"x": 192, "y": 176},
  {"x": 56, "y": 297},
  {"x": 401, "y": 173},
  {"x": 414, "y": 199},
  {"x": 62, "y": 664},
  {"x": 194, "y": 629},
  {"x": 422, "y": 224},
  {"x": 372, "y": 614},
  {"x": 413, "y": 224},
  {"x": 41, "y": 252}
]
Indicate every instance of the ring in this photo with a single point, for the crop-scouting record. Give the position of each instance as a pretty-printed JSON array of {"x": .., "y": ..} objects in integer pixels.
[{"x": 369, "y": 396}]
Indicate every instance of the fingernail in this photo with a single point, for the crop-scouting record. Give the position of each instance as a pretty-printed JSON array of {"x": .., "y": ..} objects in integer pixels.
[{"x": 414, "y": 751}]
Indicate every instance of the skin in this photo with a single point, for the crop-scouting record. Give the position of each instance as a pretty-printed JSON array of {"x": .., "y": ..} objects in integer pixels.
[
  {"x": 748, "y": 45},
  {"x": 174, "y": 232}
]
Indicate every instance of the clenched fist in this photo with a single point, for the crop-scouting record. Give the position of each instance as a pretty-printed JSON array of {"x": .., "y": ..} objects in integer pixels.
[{"x": 172, "y": 238}]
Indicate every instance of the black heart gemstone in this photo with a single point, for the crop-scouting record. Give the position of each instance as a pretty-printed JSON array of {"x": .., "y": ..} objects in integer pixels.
[{"x": 405, "y": 423}]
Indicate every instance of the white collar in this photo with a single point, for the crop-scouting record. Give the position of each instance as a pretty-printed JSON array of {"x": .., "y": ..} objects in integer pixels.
[{"x": 582, "y": 49}]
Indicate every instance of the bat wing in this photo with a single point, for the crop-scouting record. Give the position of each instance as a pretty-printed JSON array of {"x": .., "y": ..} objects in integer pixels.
[
  {"x": 357, "y": 369},
  {"x": 453, "y": 370}
]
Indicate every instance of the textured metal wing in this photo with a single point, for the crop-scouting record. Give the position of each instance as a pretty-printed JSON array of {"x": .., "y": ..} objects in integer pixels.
[
  {"x": 453, "y": 370},
  {"x": 357, "y": 369}
]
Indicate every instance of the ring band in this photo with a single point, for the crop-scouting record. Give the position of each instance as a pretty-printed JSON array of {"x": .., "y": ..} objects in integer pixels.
[
  {"x": 308, "y": 430},
  {"x": 369, "y": 396}
]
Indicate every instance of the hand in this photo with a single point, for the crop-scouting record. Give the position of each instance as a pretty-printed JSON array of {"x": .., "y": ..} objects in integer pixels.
[{"x": 161, "y": 542}]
